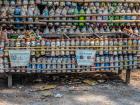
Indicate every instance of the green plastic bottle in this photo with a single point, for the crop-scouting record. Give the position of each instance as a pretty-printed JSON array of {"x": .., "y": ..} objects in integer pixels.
[{"x": 81, "y": 17}]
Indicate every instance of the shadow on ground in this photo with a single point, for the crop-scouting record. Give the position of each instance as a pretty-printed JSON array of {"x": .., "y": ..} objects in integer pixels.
[{"x": 109, "y": 93}]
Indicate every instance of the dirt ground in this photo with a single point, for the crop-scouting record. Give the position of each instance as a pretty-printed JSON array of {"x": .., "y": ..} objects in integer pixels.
[{"x": 109, "y": 93}]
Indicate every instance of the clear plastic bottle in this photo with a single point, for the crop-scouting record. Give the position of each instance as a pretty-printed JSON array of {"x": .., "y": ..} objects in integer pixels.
[
  {"x": 28, "y": 43},
  {"x": 25, "y": 2},
  {"x": 64, "y": 13},
  {"x": 67, "y": 46},
  {"x": 53, "y": 45},
  {"x": 101, "y": 47},
  {"x": 63, "y": 47},
  {"x": 33, "y": 61}
]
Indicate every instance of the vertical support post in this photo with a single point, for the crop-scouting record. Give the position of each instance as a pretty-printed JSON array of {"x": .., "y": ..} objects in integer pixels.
[
  {"x": 119, "y": 72},
  {"x": 10, "y": 80},
  {"x": 128, "y": 73}
]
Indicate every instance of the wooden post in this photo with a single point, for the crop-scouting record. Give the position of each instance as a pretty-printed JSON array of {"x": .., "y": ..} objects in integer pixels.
[
  {"x": 128, "y": 73},
  {"x": 119, "y": 72},
  {"x": 10, "y": 80}
]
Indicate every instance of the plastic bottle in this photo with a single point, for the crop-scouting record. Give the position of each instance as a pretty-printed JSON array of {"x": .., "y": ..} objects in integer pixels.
[
  {"x": 134, "y": 12},
  {"x": 107, "y": 63},
  {"x": 64, "y": 12},
  {"x": 81, "y": 18},
  {"x": 17, "y": 12},
  {"x": 1, "y": 2},
  {"x": 30, "y": 12},
  {"x": 58, "y": 45},
  {"x": 101, "y": 47},
  {"x": 128, "y": 17},
  {"x": 125, "y": 44},
  {"x": 62, "y": 47},
  {"x": 76, "y": 12},
  {"x": 130, "y": 43},
  {"x": 38, "y": 1},
  {"x": 53, "y": 44},
  {"x": 49, "y": 4},
  {"x": 18, "y": 43},
  {"x": 24, "y": 12},
  {"x": 88, "y": 11},
  {"x": 92, "y": 42},
  {"x": 116, "y": 64},
  {"x": 134, "y": 43},
  {"x": 58, "y": 13},
  {"x": 105, "y": 12},
  {"x": 6, "y": 2},
  {"x": 33, "y": 65},
  {"x": 97, "y": 64},
  {"x": 6, "y": 63},
  {"x": 25, "y": 2},
  {"x": 28, "y": 43},
  {"x": 44, "y": 63},
  {"x": 39, "y": 65},
  {"x": 70, "y": 11},
  {"x": 23, "y": 43},
  {"x": 36, "y": 11},
  {"x": 106, "y": 44},
  {"x": 120, "y": 42}
]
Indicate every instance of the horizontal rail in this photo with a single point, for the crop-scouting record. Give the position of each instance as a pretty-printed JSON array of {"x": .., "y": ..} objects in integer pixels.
[{"x": 77, "y": 15}]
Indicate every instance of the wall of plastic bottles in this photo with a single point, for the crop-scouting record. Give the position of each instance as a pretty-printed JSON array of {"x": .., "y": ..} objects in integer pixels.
[
  {"x": 26, "y": 24},
  {"x": 49, "y": 55}
]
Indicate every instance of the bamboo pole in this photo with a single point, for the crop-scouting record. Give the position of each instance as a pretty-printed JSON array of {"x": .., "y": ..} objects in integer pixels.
[
  {"x": 92, "y": 21},
  {"x": 79, "y": 68},
  {"x": 88, "y": 1},
  {"x": 71, "y": 47},
  {"x": 27, "y": 23},
  {"x": 117, "y": 1},
  {"x": 73, "y": 34},
  {"x": 137, "y": 38},
  {"x": 42, "y": 22},
  {"x": 77, "y": 15},
  {"x": 74, "y": 50},
  {"x": 76, "y": 63}
]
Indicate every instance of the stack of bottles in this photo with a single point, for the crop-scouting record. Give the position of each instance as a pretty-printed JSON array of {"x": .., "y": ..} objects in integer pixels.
[
  {"x": 50, "y": 31},
  {"x": 53, "y": 54},
  {"x": 61, "y": 9},
  {"x": 59, "y": 55}
]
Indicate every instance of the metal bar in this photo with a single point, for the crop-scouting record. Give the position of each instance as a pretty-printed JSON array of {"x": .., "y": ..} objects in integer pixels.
[{"x": 10, "y": 81}]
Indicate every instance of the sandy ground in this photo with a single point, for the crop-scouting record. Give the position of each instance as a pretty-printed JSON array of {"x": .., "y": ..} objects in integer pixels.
[{"x": 110, "y": 93}]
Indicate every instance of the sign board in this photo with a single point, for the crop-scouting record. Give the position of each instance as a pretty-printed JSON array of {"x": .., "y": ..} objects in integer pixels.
[
  {"x": 85, "y": 57},
  {"x": 19, "y": 57}
]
